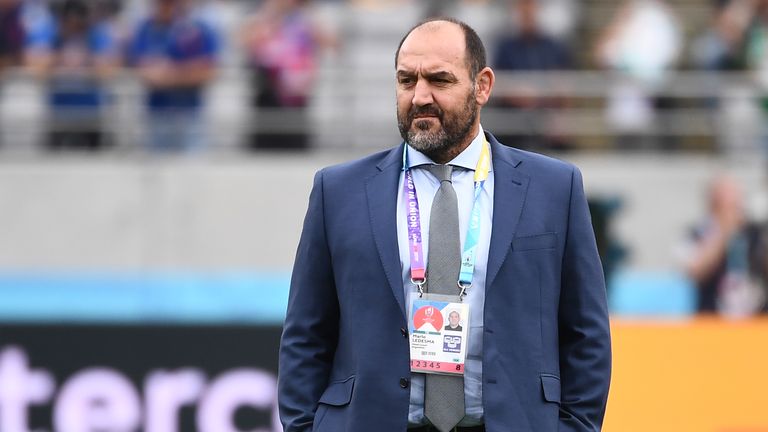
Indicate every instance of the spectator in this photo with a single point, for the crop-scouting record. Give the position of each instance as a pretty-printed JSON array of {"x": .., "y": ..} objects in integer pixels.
[
  {"x": 643, "y": 42},
  {"x": 281, "y": 44},
  {"x": 24, "y": 27},
  {"x": 531, "y": 49},
  {"x": 12, "y": 34},
  {"x": 727, "y": 256},
  {"x": 720, "y": 46},
  {"x": 757, "y": 60},
  {"x": 21, "y": 24},
  {"x": 757, "y": 40},
  {"x": 76, "y": 55},
  {"x": 174, "y": 54}
]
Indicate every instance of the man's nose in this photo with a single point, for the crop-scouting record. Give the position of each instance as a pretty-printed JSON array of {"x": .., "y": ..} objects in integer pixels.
[{"x": 422, "y": 93}]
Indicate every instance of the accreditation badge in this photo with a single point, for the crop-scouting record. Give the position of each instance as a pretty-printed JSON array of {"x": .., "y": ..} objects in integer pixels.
[{"x": 438, "y": 328}]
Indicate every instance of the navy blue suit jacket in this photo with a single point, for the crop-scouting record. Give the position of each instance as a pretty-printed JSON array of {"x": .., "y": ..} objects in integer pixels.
[{"x": 344, "y": 358}]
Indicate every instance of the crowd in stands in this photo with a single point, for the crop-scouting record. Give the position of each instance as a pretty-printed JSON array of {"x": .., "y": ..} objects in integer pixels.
[{"x": 174, "y": 47}]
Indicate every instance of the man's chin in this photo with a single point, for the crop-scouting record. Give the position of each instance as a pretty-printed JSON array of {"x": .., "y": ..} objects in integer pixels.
[
  {"x": 430, "y": 134},
  {"x": 423, "y": 140},
  {"x": 425, "y": 124}
]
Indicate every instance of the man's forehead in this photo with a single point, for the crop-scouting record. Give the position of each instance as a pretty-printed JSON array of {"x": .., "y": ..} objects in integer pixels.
[{"x": 433, "y": 45}]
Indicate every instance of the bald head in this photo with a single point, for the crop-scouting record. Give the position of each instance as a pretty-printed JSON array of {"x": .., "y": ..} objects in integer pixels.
[{"x": 457, "y": 33}]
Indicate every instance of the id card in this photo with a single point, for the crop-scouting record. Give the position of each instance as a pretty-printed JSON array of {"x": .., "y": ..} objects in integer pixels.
[{"x": 438, "y": 328}]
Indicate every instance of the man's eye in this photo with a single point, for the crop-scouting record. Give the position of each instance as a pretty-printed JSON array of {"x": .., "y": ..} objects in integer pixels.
[{"x": 406, "y": 81}]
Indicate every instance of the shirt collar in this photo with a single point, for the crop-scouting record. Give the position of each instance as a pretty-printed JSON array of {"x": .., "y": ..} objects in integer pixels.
[{"x": 467, "y": 159}]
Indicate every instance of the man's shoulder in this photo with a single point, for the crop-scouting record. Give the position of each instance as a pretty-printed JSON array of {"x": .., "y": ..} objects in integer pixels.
[
  {"x": 363, "y": 167},
  {"x": 535, "y": 164}
]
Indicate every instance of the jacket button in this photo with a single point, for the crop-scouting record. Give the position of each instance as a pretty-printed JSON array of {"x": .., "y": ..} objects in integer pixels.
[
  {"x": 404, "y": 332},
  {"x": 404, "y": 382}
]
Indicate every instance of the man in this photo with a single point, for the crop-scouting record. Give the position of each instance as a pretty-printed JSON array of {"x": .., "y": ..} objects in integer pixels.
[
  {"x": 538, "y": 349},
  {"x": 453, "y": 322},
  {"x": 727, "y": 255},
  {"x": 12, "y": 34},
  {"x": 175, "y": 57},
  {"x": 77, "y": 54},
  {"x": 529, "y": 49}
]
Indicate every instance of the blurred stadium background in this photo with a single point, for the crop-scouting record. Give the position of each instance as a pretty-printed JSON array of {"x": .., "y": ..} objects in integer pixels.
[{"x": 148, "y": 226}]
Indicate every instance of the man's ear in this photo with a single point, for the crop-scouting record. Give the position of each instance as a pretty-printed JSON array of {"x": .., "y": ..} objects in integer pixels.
[{"x": 484, "y": 85}]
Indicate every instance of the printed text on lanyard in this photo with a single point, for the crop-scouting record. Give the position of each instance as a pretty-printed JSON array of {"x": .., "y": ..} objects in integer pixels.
[{"x": 413, "y": 221}]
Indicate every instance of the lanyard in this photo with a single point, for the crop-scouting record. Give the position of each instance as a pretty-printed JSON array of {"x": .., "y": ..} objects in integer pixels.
[{"x": 413, "y": 221}]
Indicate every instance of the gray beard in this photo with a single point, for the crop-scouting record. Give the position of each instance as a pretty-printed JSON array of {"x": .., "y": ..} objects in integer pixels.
[
  {"x": 426, "y": 142},
  {"x": 439, "y": 145}
]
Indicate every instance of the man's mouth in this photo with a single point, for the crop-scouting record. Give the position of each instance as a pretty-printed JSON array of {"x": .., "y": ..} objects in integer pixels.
[{"x": 420, "y": 117}]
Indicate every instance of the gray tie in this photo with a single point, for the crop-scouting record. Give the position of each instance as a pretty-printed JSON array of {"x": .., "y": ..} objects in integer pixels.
[{"x": 443, "y": 394}]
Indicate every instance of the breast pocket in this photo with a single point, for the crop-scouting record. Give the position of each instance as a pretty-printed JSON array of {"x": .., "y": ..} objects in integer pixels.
[
  {"x": 330, "y": 415},
  {"x": 535, "y": 242}
]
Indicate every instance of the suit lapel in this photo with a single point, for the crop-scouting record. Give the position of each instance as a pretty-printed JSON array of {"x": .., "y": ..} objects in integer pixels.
[
  {"x": 510, "y": 188},
  {"x": 381, "y": 190}
]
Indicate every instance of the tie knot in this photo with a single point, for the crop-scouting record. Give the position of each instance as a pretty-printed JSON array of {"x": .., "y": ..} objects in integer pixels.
[{"x": 441, "y": 172}]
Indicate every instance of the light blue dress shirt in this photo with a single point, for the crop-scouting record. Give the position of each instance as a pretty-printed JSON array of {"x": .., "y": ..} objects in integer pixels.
[{"x": 426, "y": 187}]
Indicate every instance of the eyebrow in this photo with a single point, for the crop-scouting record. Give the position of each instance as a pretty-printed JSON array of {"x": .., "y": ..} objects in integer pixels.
[
  {"x": 440, "y": 75},
  {"x": 429, "y": 75}
]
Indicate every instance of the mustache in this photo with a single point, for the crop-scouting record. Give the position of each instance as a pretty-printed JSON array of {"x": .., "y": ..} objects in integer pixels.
[{"x": 430, "y": 110}]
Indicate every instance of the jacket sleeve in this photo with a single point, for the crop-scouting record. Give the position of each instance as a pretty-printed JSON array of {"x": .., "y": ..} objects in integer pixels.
[
  {"x": 310, "y": 332},
  {"x": 585, "y": 341}
]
